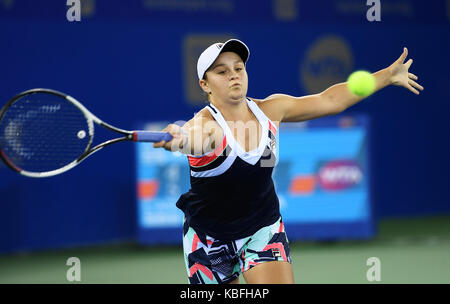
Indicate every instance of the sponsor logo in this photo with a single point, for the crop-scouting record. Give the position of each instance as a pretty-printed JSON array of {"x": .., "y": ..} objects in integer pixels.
[
  {"x": 276, "y": 253},
  {"x": 339, "y": 175},
  {"x": 328, "y": 60}
]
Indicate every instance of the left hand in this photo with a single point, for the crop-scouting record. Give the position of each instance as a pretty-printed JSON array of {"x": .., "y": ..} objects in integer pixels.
[{"x": 400, "y": 75}]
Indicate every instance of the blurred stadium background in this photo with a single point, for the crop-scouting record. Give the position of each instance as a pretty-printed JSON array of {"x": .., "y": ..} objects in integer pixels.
[{"x": 132, "y": 63}]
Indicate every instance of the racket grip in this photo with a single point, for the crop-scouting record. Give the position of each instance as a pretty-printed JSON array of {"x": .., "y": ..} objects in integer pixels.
[{"x": 151, "y": 136}]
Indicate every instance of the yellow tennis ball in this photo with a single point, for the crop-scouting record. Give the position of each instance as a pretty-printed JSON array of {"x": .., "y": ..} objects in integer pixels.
[{"x": 361, "y": 83}]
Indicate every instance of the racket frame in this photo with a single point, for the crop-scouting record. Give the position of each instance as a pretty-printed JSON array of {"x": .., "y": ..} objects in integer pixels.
[{"x": 91, "y": 119}]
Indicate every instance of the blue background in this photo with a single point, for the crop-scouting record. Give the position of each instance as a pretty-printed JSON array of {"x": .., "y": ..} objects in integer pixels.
[{"x": 127, "y": 65}]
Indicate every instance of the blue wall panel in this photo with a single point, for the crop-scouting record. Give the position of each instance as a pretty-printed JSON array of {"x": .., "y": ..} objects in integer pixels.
[{"x": 129, "y": 68}]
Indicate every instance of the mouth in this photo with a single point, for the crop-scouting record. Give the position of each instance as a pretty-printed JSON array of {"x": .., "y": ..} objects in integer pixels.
[{"x": 235, "y": 85}]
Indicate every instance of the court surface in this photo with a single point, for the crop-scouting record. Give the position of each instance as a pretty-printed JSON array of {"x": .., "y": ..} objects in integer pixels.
[{"x": 410, "y": 251}]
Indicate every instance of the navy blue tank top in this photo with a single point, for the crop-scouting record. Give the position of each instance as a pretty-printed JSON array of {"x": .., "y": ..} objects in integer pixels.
[{"x": 232, "y": 193}]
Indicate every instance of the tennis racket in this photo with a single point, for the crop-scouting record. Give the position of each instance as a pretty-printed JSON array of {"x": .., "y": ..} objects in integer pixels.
[{"x": 45, "y": 132}]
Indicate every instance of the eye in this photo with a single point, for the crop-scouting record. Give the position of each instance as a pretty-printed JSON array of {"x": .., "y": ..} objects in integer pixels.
[
  {"x": 221, "y": 72},
  {"x": 239, "y": 69}
]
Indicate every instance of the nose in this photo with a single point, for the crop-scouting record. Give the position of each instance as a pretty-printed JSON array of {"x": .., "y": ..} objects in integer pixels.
[{"x": 234, "y": 75}]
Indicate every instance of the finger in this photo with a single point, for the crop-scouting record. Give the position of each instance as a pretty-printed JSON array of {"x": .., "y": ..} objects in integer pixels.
[
  {"x": 159, "y": 144},
  {"x": 415, "y": 84},
  {"x": 174, "y": 130},
  {"x": 173, "y": 144},
  {"x": 168, "y": 146},
  {"x": 412, "y": 76},
  {"x": 408, "y": 63},
  {"x": 413, "y": 90},
  {"x": 404, "y": 55}
]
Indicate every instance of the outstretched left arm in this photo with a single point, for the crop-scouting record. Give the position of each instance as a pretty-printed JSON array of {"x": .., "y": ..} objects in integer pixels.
[{"x": 338, "y": 98}]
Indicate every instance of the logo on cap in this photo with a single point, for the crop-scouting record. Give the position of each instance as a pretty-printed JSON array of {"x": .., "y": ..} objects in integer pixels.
[{"x": 219, "y": 45}]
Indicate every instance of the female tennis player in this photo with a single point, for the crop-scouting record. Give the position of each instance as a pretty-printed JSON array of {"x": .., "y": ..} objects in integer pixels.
[{"x": 232, "y": 221}]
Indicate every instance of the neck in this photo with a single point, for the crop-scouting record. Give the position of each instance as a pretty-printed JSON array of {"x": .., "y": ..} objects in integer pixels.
[{"x": 233, "y": 111}]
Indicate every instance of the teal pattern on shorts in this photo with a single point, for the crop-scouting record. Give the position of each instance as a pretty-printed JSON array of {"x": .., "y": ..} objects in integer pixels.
[{"x": 210, "y": 261}]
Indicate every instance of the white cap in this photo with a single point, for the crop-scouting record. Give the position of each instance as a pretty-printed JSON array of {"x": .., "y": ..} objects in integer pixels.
[{"x": 209, "y": 55}]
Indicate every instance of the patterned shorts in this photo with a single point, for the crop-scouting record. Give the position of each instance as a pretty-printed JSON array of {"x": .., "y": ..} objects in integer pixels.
[{"x": 210, "y": 261}]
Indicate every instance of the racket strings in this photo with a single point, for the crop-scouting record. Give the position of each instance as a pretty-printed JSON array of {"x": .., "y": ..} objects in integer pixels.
[{"x": 43, "y": 132}]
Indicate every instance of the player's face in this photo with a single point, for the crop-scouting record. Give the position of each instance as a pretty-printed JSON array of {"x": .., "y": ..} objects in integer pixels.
[{"x": 227, "y": 78}]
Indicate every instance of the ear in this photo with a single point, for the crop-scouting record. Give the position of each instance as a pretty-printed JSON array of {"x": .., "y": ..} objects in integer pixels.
[{"x": 204, "y": 85}]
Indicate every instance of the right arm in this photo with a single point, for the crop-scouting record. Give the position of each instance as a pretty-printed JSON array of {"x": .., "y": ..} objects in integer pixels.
[{"x": 198, "y": 136}]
